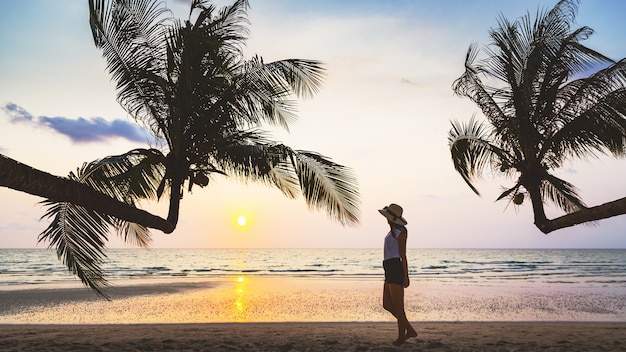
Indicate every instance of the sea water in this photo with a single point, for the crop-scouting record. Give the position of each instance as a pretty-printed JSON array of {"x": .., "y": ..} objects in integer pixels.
[{"x": 478, "y": 267}]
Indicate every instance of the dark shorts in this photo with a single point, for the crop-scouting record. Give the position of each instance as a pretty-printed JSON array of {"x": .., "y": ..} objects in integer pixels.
[{"x": 394, "y": 271}]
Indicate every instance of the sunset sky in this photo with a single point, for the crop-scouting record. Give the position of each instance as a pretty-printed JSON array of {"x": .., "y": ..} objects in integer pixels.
[{"x": 384, "y": 110}]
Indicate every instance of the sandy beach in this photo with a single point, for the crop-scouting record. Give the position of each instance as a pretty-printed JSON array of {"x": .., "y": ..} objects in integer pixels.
[
  {"x": 304, "y": 314},
  {"x": 356, "y": 336}
]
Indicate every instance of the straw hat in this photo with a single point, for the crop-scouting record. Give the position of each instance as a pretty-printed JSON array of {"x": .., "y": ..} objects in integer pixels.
[{"x": 393, "y": 213}]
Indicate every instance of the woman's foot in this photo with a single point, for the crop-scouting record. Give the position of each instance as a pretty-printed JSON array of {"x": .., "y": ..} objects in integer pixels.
[
  {"x": 407, "y": 335},
  {"x": 399, "y": 341},
  {"x": 410, "y": 333}
]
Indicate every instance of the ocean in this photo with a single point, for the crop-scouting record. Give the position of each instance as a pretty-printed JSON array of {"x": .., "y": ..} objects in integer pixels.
[{"x": 553, "y": 268}]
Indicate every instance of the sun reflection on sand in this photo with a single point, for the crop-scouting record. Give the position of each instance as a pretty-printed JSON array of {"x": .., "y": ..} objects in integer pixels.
[
  {"x": 240, "y": 300},
  {"x": 260, "y": 299}
]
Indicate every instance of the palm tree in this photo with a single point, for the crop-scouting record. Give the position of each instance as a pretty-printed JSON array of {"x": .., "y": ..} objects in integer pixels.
[
  {"x": 24, "y": 178},
  {"x": 205, "y": 104},
  {"x": 547, "y": 99}
]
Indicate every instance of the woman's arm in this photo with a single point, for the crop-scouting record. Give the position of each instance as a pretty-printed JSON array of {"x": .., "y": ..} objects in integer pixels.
[{"x": 402, "y": 246}]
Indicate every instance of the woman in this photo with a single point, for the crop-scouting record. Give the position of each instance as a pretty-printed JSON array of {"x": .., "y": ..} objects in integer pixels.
[{"x": 396, "y": 271}]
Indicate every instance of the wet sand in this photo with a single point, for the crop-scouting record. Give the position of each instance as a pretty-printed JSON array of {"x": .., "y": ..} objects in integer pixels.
[
  {"x": 255, "y": 299},
  {"x": 291, "y": 314}
]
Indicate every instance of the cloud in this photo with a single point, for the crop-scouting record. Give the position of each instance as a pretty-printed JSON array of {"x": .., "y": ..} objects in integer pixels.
[
  {"x": 408, "y": 81},
  {"x": 97, "y": 129},
  {"x": 80, "y": 130},
  {"x": 17, "y": 113}
]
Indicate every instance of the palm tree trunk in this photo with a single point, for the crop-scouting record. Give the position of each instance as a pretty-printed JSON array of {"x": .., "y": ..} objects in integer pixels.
[
  {"x": 175, "y": 196},
  {"x": 537, "y": 203},
  {"x": 23, "y": 178},
  {"x": 603, "y": 211}
]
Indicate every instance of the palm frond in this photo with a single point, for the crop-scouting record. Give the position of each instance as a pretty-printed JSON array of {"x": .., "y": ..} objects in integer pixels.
[
  {"x": 130, "y": 176},
  {"x": 250, "y": 157},
  {"x": 232, "y": 22},
  {"x": 580, "y": 94},
  {"x": 470, "y": 85},
  {"x": 131, "y": 37},
  {"x": 262, "y": 96},
  {"x": 305, "y": 77},
  {"x": 471, "y": 150},
  {"x": 594, "y": 118},
  {"x": 328, "y": 186},
  {"x": 264, "y": 89},
  {"x": 133, "y": 234},
  {"x": 282, "y": 176},
  {"x": 562, "y": 193},
  {"x": 80, "y": 234},
  {"x": 262, "y": 161},
  {"x": 555, "y": 74},
  {"x": 325, "y": 185},
  {"x": 600, "y": 129},
  {"x": 507, "y": 192},
  {"x": 507, "y": 62}
]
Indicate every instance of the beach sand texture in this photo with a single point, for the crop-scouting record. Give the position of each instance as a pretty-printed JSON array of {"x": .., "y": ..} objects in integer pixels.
[
  {"x": 356, "y": 336},
  {"x": 291, "y": 314},
  {"x": 288, "y": 299}
]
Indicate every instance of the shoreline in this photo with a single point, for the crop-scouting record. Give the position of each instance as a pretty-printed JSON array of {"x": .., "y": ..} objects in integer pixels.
[
  {"x": 308, "y": 314},
  {"x": 304, "y": 300},
  {"x": 322, "y": 336}
]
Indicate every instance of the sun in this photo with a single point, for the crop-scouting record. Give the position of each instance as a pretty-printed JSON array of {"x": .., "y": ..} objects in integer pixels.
[{"x": 241, "y": 220}]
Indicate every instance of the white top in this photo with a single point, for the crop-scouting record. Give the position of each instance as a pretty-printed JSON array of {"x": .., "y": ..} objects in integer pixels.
[{"x": 392, "y": 248}]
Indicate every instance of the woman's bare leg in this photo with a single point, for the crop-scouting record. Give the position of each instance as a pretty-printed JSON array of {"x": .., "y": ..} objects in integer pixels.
[
  {"x": 387, "y": 300},
  {"x": 405, "y": 330}
]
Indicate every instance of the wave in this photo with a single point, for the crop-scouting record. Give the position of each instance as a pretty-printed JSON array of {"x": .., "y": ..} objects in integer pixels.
[{"x": 548, "y": 267}]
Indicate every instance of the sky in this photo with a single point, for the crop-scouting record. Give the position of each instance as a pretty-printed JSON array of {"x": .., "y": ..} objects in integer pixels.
[{"x": 384, "y": 110}]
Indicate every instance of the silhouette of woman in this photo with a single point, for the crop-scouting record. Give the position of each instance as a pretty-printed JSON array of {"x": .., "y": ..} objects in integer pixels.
[{"x": 396, "y": 271}]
